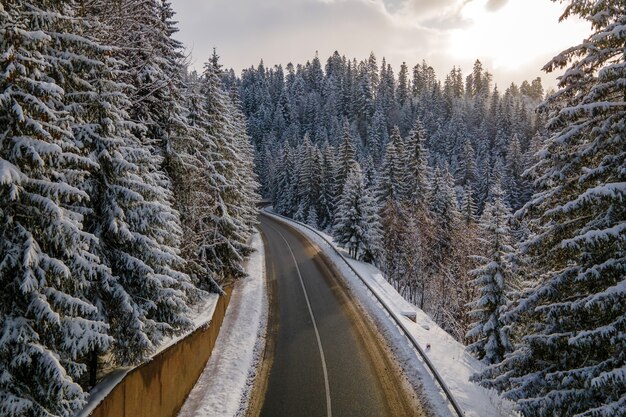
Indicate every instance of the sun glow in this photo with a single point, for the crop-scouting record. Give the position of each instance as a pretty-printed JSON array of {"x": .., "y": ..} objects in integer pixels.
[{"x": 514, "y": 35}]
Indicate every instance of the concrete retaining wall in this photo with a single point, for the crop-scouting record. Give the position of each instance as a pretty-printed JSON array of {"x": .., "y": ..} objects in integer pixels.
[{"x": 159, "y": 388}]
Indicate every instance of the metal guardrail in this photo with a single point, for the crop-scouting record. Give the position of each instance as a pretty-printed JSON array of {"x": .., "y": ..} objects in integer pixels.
[{"x": 399, "y": 322}]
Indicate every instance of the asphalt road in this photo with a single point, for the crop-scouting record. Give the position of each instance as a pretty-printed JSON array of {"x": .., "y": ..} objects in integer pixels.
[{"x": 325, "y": 357}]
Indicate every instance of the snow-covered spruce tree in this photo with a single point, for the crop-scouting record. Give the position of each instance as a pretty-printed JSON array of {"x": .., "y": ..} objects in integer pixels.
[
  {"x": 328, "y": 187},
  {"x": 309, "y": 174},
  {"x": 377, "y": 134},
  {"x": 491, "y": 280},
  {"x": 151, "y": 61},
  {"x": 515, "y": 182},
  {"x": 142, "y": 31},
  {"x": 346, "y": 154},
  {"x": 394, "y": 224},
  {"x": 402, "y": 193},
  {"x": 531, "y": 158},
  {"x": 138, "y": 231},
  {"x": 571, "y": 359},
  {"x": 389, "y": 186},
  {"x": 416, "y": 173},
  {"x": 160, "y": 96},
  {"x": 445, "y": 263},
  {"x": 47, "y": 269},
  {"x": 285, "y": 195},
  {"x": 468, "y": 208},
  {"x": 388, "y": 193},
  {"x": 466, "y": 172},
  {"x": 196, "y": 161},
  {"x": 230, "y": 198},
  {"x": 145, "y": 298},
  {"x": 357, "y": 225},
  {"x": 246, "y": 179},
  {"x": 311, "y": 218}
]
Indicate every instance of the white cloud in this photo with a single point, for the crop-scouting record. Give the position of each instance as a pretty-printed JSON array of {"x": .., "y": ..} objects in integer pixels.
[
  {"x": 513, "y": 39},
  {"x": 428, "y": 9},
  {"x": 493, "y": 5}
]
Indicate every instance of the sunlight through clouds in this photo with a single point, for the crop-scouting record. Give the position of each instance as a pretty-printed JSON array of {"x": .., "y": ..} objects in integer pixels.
[
  {"x": 510, "y": 37},
  {"x": 513, "y": 38}
]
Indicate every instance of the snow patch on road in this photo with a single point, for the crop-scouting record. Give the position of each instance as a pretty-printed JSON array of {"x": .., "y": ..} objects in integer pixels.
[
  {"x": 449, "y": 357},
  {"x": 224, "y": 387}
]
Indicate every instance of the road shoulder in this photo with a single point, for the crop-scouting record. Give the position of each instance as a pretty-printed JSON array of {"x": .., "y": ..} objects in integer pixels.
[{"x": 224, "y": 387}]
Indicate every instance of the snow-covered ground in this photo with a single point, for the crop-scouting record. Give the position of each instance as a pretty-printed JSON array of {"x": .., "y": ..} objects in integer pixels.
[
  {"x": 448, "y": 356},
  {"x": 224, "y": 387}
]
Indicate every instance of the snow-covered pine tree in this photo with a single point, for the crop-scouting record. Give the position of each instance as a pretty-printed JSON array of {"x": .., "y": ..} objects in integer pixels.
[
  {"x": 194, "y": 164},
  {"x": 377, "y": 135},
  {"x": 530, "y": 159},
  {"x": 466, "y": 172},
  {"x": 491, "y": 280},
  {"x": 443, "y": 202},
  {"x": 445, "y": 250},
  {"x": 196, "y": 173},
  {"x": 402, "y": 91},
  {"x": 228, "y": 200},
  {"x": 466, "y": 244},
  {"x": 386, "y": 91},
  {"x": 308, "y": 181},
  {"x": 515, "y": 183},
  {"x": 357, "y": 225},
  {"x": 389, "y": 186},
  {"x": 142, "y": 32},
  {"x": 364, "y": 103},
  {"x": 285, "y": 196},
  {"x": 131, "y": 214},
  {"x": 328, "y": 187},
  {"x": 394, "y": 223},
  {"x": 571, "y": 359},
  {"x": 402, "y": 193},
  {"x": 483, "y": 173},
  {"x": 468, "y": 208},
  {"x": 138, "y": 233},
  {"x": 416, "y": 172},
  {"x": 346, "y": 153},
  {"x": 47, "y": 323},
  {"x": 246, "y": 180},
  {"x": 311, "y": 218}
]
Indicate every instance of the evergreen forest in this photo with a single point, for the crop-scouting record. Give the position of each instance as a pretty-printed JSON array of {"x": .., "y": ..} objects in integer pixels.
[{"x": 130, "y": 185}]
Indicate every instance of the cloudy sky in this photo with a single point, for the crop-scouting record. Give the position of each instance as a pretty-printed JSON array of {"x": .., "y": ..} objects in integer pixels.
[{"x": 513, "y": 38}]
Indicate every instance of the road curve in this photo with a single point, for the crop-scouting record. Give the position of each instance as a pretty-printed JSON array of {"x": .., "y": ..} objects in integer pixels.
[{"x": 325, "y": 358}]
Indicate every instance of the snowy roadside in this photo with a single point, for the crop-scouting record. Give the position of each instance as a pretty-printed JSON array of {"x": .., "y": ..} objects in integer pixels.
[
  {"x": 448, "y": 356},
  {"x": 225, "y": 385}
]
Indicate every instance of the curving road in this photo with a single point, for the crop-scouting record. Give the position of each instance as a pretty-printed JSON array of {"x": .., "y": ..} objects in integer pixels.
[{"x": 323, "y": 357}]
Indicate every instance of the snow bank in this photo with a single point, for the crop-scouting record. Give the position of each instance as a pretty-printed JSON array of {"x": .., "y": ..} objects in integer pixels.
[
  {"x": 446, "y": 354},
  {"x": 224, "y": 387}
]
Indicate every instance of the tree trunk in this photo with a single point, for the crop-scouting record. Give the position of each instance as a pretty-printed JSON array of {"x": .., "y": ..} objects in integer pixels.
[{"x": 92, "y": 365}]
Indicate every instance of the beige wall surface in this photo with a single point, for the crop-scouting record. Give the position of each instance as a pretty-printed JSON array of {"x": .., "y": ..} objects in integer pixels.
[{"x": 159, "y": 388}]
